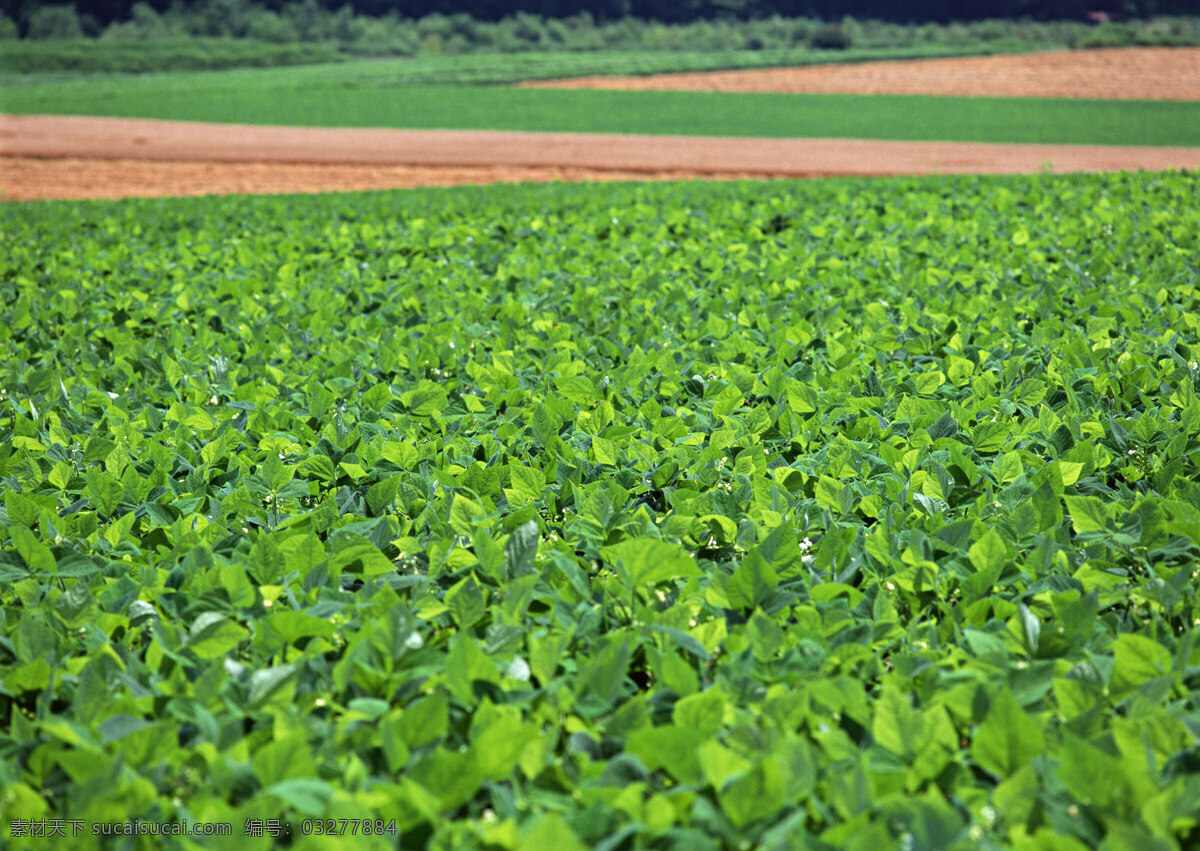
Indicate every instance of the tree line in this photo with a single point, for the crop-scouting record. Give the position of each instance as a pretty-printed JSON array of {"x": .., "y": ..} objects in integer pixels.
[{"x": 104, "y": 12}]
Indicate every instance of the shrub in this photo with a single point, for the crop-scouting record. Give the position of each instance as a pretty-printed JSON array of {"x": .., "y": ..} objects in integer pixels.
[
  {"x": 1110, "y": 35},
  {"x": 830, "y": 37},
  {"x": 268, "y": 26},
  {"x": 55, "y": 22}
]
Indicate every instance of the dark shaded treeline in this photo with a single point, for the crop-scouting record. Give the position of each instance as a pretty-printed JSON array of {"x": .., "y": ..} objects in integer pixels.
[{"x": 105, "y": 11}]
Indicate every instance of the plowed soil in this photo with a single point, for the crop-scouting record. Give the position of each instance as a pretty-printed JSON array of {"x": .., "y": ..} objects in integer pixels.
[
  {"x": 77, "y": 157},
  {"x": 48, "y": 157},
  {"x": 31, "y": 179},
  {"x": 1147, "y": 73}
]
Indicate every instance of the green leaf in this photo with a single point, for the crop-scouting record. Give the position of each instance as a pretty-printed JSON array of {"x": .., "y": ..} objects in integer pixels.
[
  {"x": 671, "y": 748},
  {"x": 98, "y": 449},
  {"x": 989, "y": 554},
  {"x": 1137, "y": 659},
  {"x": 269, "y": 683},
  {"x": 466, "y": 665},
  {"x": 897, "y": 725},
  {"x": 520, "y": 550},
  {"x": 602, "y": 677},
  {"x": 499, "y": 742},
  {"x": 1031, "y": 629},
  {"x": 21, "y": 510},
  {"x": 306, "y": 795},
  {"x": 649, "y": 561},
  {"x": 381, "y": 495},
  {"x": 829, "y": 494},
  {"x": 946, "y": 426},
  {"x": 426, "y": 720},
  {"x": 76, "y": 604},
  {"x": 1088, "y": 513},
  {"x": 466, "y": 603},
  {"x": 703, "y": 712},
  {"x": 752, "y": 583},
  {"x": 355, "y": 554},
  {"x": 36, "y": 554},
  {"x": 757, "y": 794},
  {"x": 213, "y": 635},
  {"x": 452, "y": 777},
  {"x": 550, "y": 830},
  {"x": 1008, "y": 738},
  {"x": 528, "y": 485},
  {"x": 464, "y": 513},
  {"x": 719, "y": 763},
  {"x": 293, "y": 626},
  {"x": 104, "y": 491}
]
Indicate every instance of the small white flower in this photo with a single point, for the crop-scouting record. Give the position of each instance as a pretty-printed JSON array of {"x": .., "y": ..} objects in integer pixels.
[
  {"x": 806, "y": 545},
  {"x": 1131, "y": 452},
  {"x": 268, "y": 604},
  {"x": 891, "y": 586}
]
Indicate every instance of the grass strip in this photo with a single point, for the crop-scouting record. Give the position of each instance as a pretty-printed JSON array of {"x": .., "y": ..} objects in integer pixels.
[{"x": 376, "y": 103}]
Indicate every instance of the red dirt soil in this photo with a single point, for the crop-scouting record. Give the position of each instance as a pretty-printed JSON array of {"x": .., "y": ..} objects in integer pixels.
[
  {"x": 68, "y": 157},
  {"x": 1145, "y": 73}
]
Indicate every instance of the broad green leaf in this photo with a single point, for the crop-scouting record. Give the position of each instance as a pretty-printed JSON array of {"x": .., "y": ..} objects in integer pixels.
[
  {"x": 649, "y": 561},
  {"x": 1088, "y": 513},
  {"x": 464, "y": 513},
  {"x": 989, "y": 554},
  {"x": 307, "y": 796},
  {"x": 213, "y": 635},
  {"x": 1007, "y": 739},
  {"x": 520, "y": 550},
  {"x": 897, "y": 725},
  {"x": 751, "y": 583},
  {"x": 36, "y": 554},
  {"x": 1136, "y": 660}
]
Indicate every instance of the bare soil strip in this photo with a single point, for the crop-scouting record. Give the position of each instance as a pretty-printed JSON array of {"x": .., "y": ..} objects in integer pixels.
[
  {"x": 1145, "y": 73},
  {"x": 78, "y": 157},
  {"x": 31, "y": 179}
]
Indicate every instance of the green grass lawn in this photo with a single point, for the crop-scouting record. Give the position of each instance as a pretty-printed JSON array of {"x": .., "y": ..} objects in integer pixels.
[{"x": 329, "y": 98}]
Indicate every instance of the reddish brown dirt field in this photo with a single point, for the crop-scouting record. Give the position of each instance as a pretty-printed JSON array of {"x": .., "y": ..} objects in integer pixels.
[
  {"x": 65, "y": 157},
  {"x": 1145, "y": 73},
  {"x": 30, "y": 179}
]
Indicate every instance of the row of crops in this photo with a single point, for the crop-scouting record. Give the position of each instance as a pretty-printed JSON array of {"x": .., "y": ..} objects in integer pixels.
[{"x": 828, "y": 515}]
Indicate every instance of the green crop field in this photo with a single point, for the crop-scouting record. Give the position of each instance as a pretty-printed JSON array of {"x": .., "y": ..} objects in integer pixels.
[
  {"x": 391, "y": 95},
  {"x": 22, "y": 59},
  {"x": 825, "y": 515}
]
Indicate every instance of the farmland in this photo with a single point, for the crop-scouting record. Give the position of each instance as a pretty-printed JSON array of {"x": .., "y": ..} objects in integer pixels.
[
  {"x": 341, "y": 96},
  {"x": 679, "y": 515}
]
